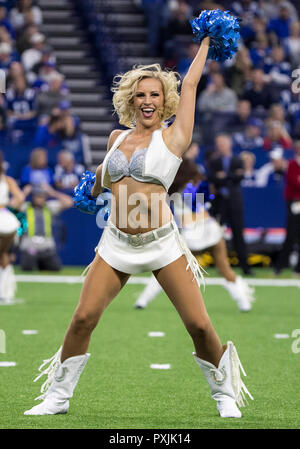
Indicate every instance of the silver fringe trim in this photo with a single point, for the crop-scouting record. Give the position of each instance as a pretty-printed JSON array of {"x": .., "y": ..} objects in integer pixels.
[{"x": 192, "y": 262}]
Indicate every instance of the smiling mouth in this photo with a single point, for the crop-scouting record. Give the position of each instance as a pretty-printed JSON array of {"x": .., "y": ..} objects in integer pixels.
[{"x": 147, "y": 112}]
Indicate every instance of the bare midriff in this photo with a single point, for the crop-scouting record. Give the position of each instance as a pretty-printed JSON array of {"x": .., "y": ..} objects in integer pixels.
[{"x": 138, "y": 207}]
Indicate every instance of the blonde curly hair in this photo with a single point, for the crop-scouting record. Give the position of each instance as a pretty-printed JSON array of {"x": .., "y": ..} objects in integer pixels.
[{"x": 125, "y": 85}]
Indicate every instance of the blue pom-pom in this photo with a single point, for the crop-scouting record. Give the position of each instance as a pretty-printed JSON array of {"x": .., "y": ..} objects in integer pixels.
[
  {"x": 223, "y": 30},
  {"x": 82, "y": 197},
  {"x": 21, "y": 216}
]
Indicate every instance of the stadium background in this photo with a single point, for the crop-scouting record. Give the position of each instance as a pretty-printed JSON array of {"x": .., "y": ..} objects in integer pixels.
[{"x": 90, "y": 41}]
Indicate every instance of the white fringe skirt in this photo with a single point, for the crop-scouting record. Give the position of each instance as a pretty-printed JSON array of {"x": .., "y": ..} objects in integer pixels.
[
  {"x": 8, "y": 222},
  {"x": 117, "y": 251},
  {"x": 199, "y": 237}
]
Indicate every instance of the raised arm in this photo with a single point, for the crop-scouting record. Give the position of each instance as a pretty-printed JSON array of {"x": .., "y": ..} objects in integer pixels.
[{"x": 179, "y": 135}]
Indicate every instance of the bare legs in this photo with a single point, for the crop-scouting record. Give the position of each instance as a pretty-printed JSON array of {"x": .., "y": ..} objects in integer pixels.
[
  {"x": 220, "y": 256},
  {"x": 185, "y": 295},
  {"x": 6, "y": 242},
  {"x": 101, "y": 285}
]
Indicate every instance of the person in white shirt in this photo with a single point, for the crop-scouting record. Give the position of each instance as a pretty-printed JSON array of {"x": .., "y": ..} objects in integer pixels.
[
  {"x": 277, "y": 164},
  {"x": 25, "y": 13},
  {"x": 33, "y": 55}
]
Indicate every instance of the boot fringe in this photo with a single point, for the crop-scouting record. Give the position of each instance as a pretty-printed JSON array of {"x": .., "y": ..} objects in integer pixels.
[
  {"x": 49, "y": 371},
  {"x": 238, "y": 385}
]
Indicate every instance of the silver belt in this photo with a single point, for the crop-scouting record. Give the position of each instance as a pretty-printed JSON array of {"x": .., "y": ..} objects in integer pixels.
[{"x": 142, "y": 239}]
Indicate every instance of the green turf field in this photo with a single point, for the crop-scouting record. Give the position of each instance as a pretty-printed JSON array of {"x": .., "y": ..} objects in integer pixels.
[{"x": 118, "y": 390}]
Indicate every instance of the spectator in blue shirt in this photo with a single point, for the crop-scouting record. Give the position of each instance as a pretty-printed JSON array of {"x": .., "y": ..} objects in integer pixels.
[
  {"x": 259, "y": 92},
  {"x": 2, "y": 118},
  {"x": 280, "y": 26},
  {"x": 5, "y": 38},
  {"x": 278, "y": 68},
  {"x": 251, "y": 138},
  {"x": 61, "y": 131},
  {"x": 247, "y": 10},
  {"x": 20, "y": 100},
  {"x": 49, "y": 135},
  {"x": 67, "y": 173},
  {"x": 241, "y": 117},
  {"x": 185, "y": 62},
  {"x": 260, "y": 50},
  {"x": 37, "y": 172},
  {"x": 43, "y": 76},
  {"x": 4, "y": 22},
  {"x": 21, "y": 111}
]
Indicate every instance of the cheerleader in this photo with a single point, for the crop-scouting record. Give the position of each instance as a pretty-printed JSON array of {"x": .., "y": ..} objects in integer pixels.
[
  {"x": 10, "y": 195},
  {"x": 202, "y": 233},
  {"x": 141, "y": 162}
]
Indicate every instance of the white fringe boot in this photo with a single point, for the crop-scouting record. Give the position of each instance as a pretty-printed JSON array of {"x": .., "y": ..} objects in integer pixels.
[
  {"x": 241, "y": 293},
  {"x": 225, "y": 382},
  {"x": 59, "y": 385},
  {"x": 152, "y": 289}
]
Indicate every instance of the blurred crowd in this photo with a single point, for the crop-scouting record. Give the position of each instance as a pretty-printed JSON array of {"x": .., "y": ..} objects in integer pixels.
[
  {"x": 247, "y": 110},
  {"x": 40, "y": 137},
  {"x": 254, "y": 97},
  {"x": 247, "y": 107}
]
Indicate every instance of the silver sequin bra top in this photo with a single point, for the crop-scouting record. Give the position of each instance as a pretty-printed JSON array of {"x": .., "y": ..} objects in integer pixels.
[{"x": 119, "y": 167}]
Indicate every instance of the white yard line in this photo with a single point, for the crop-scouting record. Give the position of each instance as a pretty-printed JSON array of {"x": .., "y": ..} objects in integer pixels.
[
  {"x": 56, "y": 279},
  {"x": 160, "y": 366},
  {"x": 144, "y": 280}
]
